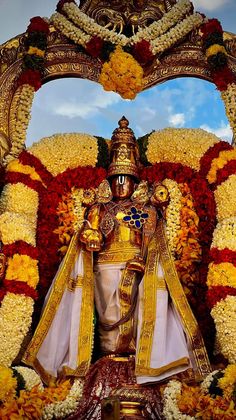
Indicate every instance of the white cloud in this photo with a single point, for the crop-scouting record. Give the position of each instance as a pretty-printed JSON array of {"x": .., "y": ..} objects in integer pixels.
[
  {"x": 73, "y": 109},
  {"x": 71, "y": 98},
  {"x": 210, "y": 4},
  {"x": 177, "y": 120},
  {"x": 224, "y": 132}
]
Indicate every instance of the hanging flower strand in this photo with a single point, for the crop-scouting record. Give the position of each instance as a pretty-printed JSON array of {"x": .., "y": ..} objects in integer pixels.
[{"x": 221, "y": 73}]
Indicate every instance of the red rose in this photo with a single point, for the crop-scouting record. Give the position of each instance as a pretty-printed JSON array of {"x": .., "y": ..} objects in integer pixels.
[
  {"x": 222, "y": 256},
  {"x": 217, "y": 293},
  {"x": 222, "y": 78},
  {"x": 142, "y": 52},
  {"x": 20, "y": 288},
  {"x": 27, "y": 158},
  {"x": 61, "y": 3},
  {"x": 94, "y": 46},
  {"x": 38, "y": 24},
  {"x": 22, "y": 248},
  {"x": 30, "y": 77},
  {"x": 213, "y": 25}
]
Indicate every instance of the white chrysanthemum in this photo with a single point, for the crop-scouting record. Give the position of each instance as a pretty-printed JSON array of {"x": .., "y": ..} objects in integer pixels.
[
  {"x": 15, "y": 319},
  {"x": 62, "y": 409},
  {"x": 31, "y": 378},
  {"x": 179, "y": 145},
  {"x": 62, "y": 151}
]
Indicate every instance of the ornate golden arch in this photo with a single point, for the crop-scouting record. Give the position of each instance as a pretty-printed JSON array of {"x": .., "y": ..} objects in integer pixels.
[{"x": 63, "y": 60}]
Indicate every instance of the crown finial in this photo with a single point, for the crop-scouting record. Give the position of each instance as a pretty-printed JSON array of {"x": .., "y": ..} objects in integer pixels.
[{"x": 123, "y": 123}]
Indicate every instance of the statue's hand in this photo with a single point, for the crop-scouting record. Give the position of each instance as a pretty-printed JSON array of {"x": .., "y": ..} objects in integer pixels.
[
  {"x": 136, "y": 264},
  {"x": 92, "y": 238}
]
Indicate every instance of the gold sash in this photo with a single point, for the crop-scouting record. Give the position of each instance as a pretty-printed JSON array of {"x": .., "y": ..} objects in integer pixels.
[
  {"x": 85, "y": 335},
  {"x": 159, "y": 248}
]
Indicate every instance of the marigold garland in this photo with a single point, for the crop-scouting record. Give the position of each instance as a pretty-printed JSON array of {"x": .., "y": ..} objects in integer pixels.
[
  {"x": 219, "y": 163},
  {"x": 8, "y": 384},
  {"x": 188, "y": 250},
  {"x": 211, "y": 154},
  {"x": 122, "y": 74},
  {"x": 173, "y": 213},
  {"x": 23, "y": 268},
  {"x": 222, "y": 274}
]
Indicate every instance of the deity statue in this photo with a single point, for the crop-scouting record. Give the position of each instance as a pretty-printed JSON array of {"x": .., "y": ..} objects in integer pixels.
[{"x": 141, "y": 330}]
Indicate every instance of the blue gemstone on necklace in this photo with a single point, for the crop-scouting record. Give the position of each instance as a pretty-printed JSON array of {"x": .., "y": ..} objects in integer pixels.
[
  {"x": 133, "y": 210},
  {"x": 127, "y": 218},
  {"x": 136, "y": 216},
  {"x": 144, "y": 215},
  {"x": 137, "y": 224}
]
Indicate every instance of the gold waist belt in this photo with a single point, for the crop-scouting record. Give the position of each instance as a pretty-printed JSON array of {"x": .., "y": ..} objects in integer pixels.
[{"x": 118, "y": 252}]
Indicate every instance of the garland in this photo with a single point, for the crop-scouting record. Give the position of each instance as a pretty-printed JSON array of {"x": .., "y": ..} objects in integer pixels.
[
  {"x": 29, "y": 203},
  {"x": 213, "y": 399},
  {"x": 28, "y": 82},
  {"x": 216, "y": 164},
  {"x": 125, "y": 56},
  {"x": 221, "y": 73},
  {"x": 23, "y": 395}
]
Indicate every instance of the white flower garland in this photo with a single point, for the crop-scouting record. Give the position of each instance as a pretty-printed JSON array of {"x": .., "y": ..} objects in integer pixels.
[
  {"x": 224, "y": 315},
  {"x": 224, "y": 235},
  {"x": 62, "y": 409},
  {"x": 23, "y": 115},
  {"x": 170, "y": 409},
  {"x": 158, "y": 33},
  {"x": 173, "y": 213},
  {"x": 158, "y": 28},
  {"x": 205, "y": 385},
  {"x": 229, "y": 98},
  {"x": 69, "y": 30},
  {"x": 175, "y": 34},
  {"x": 15, "y": 320},
  {"x": 155, "y": 30},
  {"x": 31, "y": 378}
]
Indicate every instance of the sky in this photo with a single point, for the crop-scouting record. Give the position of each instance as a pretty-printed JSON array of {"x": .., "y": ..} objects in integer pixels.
[{"x": 60, "y": 106}]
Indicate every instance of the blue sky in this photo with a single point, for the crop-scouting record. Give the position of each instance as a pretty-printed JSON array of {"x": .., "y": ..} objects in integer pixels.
[{"x": 60, "y": 106}]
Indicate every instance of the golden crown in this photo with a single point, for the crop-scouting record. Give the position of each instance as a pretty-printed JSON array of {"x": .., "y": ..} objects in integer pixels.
[{"x": 124, "y": 154}]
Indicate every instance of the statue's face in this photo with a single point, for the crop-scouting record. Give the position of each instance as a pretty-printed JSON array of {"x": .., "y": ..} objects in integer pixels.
[{"x": 122, "y": 186}]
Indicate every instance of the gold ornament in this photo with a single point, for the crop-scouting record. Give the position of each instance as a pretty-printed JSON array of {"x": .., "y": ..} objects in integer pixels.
[
  {"x": 124, "y": 155},
  {"x": 104, "y": 194}
]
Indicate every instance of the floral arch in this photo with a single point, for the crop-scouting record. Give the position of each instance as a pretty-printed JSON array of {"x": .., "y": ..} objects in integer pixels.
[
  {"x": 52, "y": 51},
  {"x": 34, "y": 182}
]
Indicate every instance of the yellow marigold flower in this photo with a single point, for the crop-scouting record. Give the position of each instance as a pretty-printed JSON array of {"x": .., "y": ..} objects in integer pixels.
[
  {"x": 214, "y": 49},
  {"x": 23, "y": 268},
  {"x": 223, "y": 274},
  {"x": 8, "y": 384},
  {"x": 36, "y": 51},
  {"x": 228, "y": 382},
  {"x": 122, "y": 74}
]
